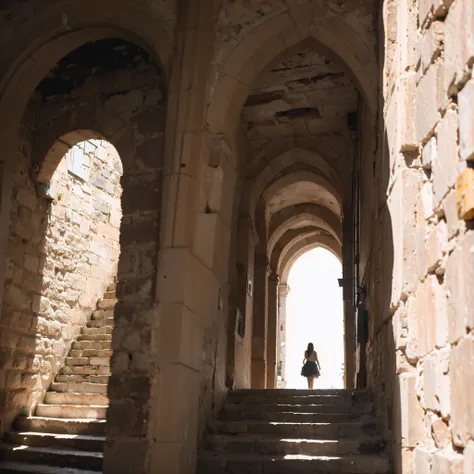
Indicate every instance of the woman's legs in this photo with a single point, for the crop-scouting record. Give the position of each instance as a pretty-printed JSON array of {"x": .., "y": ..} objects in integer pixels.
[{"x": 310, "y": 382}]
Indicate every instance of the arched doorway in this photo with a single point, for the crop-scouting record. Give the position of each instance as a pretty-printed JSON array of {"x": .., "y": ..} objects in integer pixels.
[
  {"x": 108, "y": 91},
  {"x": 313, "y": 313}
]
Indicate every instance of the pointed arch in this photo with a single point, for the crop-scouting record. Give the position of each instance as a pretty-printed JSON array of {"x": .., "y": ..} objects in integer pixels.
[{"x": 266, "y": 44}]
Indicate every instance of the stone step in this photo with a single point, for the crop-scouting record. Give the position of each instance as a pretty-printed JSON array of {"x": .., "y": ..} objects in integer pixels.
[
  {"x": 287, "y": 416},
  {"x": 290, "y": 392},
  {"x": 82, "y": 378},
  {"x": 72, "y": 411},
  {"x": 292, "y": 464},
  {"x": 99, "y": 330},
  {"x": 296, "y": 430},
  {"x": 255, "y": 444},
  {"x": 106, "y": 303},
  {"x": 100, "y": 323},
  {"x": 28, "y": 468},
  {"x": 77, "y": 426},
  {"x": 85, "y": 370},
  {"x": 102, "y": 314},
  {"x": 94, "y": 361},
  {"x": 52, "y": 456},
  {"x": 70, "y": 398},
  {"x": 293, "y": 399},
  {"x": 90, "y": 353},
  {"x": 94, "y": 338},
  {"x": 110, "y": 294},
  {"x": 359, "y": 408},
  {"x": 81, "y": 442},
  {"x": 91, "y": 345},
  {"x": 83, "y": 387}
]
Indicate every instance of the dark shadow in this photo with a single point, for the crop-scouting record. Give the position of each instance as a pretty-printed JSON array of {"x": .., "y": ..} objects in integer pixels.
[{"x": 376, "y": 273}]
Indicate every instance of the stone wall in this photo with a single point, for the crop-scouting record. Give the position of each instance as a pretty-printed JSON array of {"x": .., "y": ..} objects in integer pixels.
[
  {"x": 63, "y": 251},
  {"x": 422, "y": 341},
  {"x": 122, "y": 101}
]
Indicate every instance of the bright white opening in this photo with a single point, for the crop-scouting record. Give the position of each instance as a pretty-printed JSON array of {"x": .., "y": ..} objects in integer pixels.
[{"x": 314, "y": 313}]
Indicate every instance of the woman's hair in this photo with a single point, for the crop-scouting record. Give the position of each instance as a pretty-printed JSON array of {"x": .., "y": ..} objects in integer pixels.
[{"x": 310, "y": 349}]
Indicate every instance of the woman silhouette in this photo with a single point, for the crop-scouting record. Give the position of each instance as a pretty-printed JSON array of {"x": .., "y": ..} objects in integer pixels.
[{"x": 311, "y": 367}]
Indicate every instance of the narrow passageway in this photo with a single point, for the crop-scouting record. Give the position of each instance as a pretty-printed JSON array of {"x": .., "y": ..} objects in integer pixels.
[{"x": 159, "y": 339}]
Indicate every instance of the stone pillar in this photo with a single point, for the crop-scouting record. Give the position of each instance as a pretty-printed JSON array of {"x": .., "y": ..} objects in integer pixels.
[
  {"x": 239, "y": 350},
  {"x": 272, "y": 330},
  {"x": 283, "y": 290},
  {"x": 348, "y": 298},
  {"x": 6, "y": 181},
  {"x": 260, "y": 322}
]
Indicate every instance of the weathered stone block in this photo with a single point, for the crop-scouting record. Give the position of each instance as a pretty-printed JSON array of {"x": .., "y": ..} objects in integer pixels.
[
  {"x": 459, "y": 277},
  {"x": 427, "y": 114},
  {"x": 462, "y": 381},
  {"x": 465, "y": 194},
  {"x": 411, "y": 411},
  {"x": 27, "y": 198},
  {"x": 436, "y": 245},
  {"x": 448, "y": 463},
  {"x": 406, "y": 109},
  {"x": 466, "y": 120},
  {"x": 469, "y": 458},
  {"x": 430, "y": 44},
  {"x": 407, "y": 35},
  {"x": 18, "y": 297},
  {"x": 125, "y": 455},
  {"x": 445, "y": 167},
  {"x": 429, "y": 153},
  {"x": 400, "y": 327},
  {"x": 436, "y": 382},
  {"x": 438, "y": 7},
  {"x": 427, "y": 312},
  {"x": 459, "y": 41},
  {"x": 451, "y": 214},
  {"x": 441, "y": 433},
  {"x": 422, "y": 461}
]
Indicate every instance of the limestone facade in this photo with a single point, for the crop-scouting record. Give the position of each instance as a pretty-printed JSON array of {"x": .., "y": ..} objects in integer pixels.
[
  {"x": 421, "y": 332},
  {"x": 249, "y": 132}
]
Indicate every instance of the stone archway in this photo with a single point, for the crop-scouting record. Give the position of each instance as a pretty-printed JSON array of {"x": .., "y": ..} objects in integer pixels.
[
  {"x": 303, "y": 25},
  {"x": 90, "y": 105}
]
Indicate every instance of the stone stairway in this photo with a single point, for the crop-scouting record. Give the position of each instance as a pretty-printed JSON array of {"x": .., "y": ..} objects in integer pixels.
[
  {"x": 67, "y": 433},
  {"x": 295, "y": 431}
]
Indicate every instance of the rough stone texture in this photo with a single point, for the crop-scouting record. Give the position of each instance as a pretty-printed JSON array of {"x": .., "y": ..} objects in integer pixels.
[
  {"x": 433, "y": 342},
  {"x": 465, "y": 194},
  {"x": 445, "y": 167},
  {"x": 436, "y": 383},
  {"x": 411, "y": 414},
  {"x": 459, "y": 271},
  {"x": 75, "y": 404},
  {"x": 63, "y": 255},
  {"x": 118, "y": 100},
  {"x": 448, "y": 462},
  {"x": 356, "y": 138},
  {"x": 462, "y": 377},
  {"x": 466, "y": 120}
]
